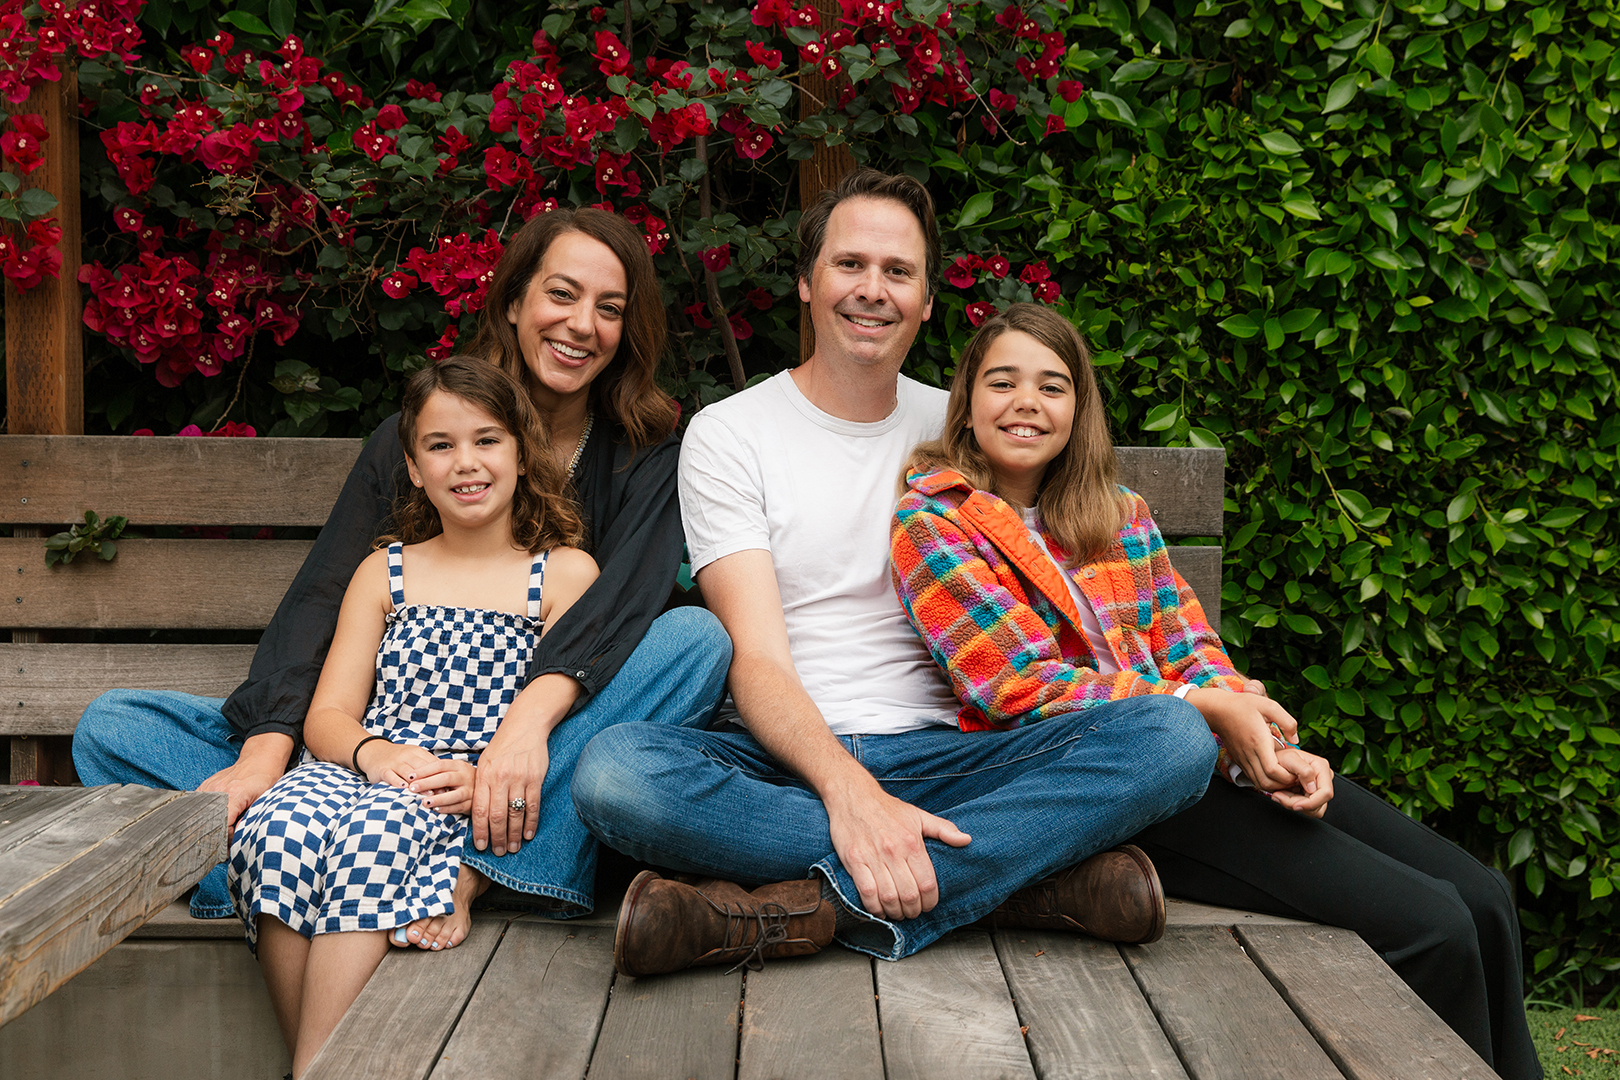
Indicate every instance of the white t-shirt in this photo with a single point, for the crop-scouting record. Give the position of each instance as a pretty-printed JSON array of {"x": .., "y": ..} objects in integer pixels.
[{"x": 765, "y": 469}]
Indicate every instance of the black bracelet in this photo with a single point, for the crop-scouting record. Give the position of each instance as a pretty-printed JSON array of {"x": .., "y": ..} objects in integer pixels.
[{"x": 354, "y": 758}]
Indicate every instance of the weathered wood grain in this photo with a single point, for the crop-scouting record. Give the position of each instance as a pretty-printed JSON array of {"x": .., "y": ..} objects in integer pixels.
[
  {"x": 1369, "y": 1021},
  {"x": 174, "y": 921},
  {"x": 1184, "y": 486},
  {"x": 1085, "y": 1016},
  {"x": 811, "y": 1018},
  {"x": 75, "y": 890},
  {"x": 199, "y": 584},
  {"x": 401, "y": 1020},
  {"x": 1222, "y": 1016},
  {"x": 55, "y": 479},
  {"x": 663, "y": 1026},
  {"x": 537, "y": 1010},
  {"x": 45, "y": 688},
  {"x": 26, "y": 810},
  {"x": 1201, "y": 567},
  {"x": 946, "y": 1013},
  {"x": 1184, "y": 913}
]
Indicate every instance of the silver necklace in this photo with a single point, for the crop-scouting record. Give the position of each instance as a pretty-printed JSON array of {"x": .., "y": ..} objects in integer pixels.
[{"x": 590, "y": 418}]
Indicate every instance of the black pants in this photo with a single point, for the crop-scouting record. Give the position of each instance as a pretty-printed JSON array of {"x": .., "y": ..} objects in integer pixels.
[{"x": 1442, "y": 920}]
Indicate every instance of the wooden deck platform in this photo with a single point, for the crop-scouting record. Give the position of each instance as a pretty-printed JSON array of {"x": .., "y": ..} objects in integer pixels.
[{"x": 1225, "y": 994}]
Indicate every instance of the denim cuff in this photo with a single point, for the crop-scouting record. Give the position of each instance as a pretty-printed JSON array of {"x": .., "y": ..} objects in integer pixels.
[
  {"x": 212, "y": 900},
  {"x": 873, "y": 936}
]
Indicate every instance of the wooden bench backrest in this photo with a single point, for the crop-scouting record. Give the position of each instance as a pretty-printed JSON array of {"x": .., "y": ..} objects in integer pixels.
[{"x": 207, "y": 584}]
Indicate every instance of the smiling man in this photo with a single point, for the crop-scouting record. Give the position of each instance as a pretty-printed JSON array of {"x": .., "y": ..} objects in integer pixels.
[{"x": 839, "y": 777}]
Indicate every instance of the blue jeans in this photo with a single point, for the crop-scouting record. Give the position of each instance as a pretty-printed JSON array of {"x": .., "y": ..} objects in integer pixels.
[
  {"x": 675, "y": 676},
  {"x": 1035, "y": 800}
]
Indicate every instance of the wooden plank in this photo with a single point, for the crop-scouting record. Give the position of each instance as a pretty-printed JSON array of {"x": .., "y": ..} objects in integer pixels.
[
  {"x": 99, "y": 884},
  {"x": 153, "y": 583},
  {"x": 1181, "y": 913},
  {"x": 227, "y": 481},
  {"x": 26, "y": 812},
  {"x": 174, "y": 921},
  {"x": 1370, "y": 1022},
  {"x": 1201, "y": 567},
  {"x": 1222, "y": 1016},
  {"x": 1085, "y": 1016},
  {"x": 44, "y": 333},
  {"x": 538, "y": 1007},
  {"x": 1184, "y": 486},
  {"x": 399, "y": 1023},
  {"x": 813, "y": 1018},
  {"x": 946, "y": 1013},
  {"x": 44, "y": 688},
  {"x": 663, "y": 1026}
]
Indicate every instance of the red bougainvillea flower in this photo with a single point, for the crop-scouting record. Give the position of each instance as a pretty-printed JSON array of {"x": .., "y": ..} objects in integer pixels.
[
  {"x": 964, "y": 271},
  {"x": 228, "y": 152},
  {"x": 1070, "y": 89},
  {"x": 22, "y": 145},
  {"x": 1047, "y": 292},
  {"x": 398, "y": 284},
  {"x": 45, "y": 231},
  {"x": 198, "y": 58},
  {"x": 752, "y": 142},
  {"x": 1035, "y": 273},
  {"x": 611, "y": 55},
  {"x": 998, "y": 266},
  {"x": 372, "y": 144},
  {"x": 980, "y": 310},
  {"x": 740, "y": 328},
  {"x": 999, "y": 101},
  {"x": 128, "y": 220},
  {"x": 598, "y": 14},
  {"x": 1055, "y": 124},
  {"x": 422, "y": 91},
  {"x": 716, "y": 258},
  {"x": 27, "y": 268},
  {"x": 390, "y": 118},
  {"x": 446, "y": 345},
  {"x": 772, "y": 13},
  {"x": 612, "y": 171},
  {"x": 761, "y": 298},
  {"x": 770, "y": 59},
  {"x": 697, "y": 313},
  {"x": 502, "y": 168}
]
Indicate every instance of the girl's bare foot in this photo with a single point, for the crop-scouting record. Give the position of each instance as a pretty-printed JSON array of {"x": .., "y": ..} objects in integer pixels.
[{"x": 448, "y": 930}]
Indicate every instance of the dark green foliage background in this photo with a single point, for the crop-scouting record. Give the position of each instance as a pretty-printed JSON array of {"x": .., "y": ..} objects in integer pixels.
[{"x": 1365, "y": 246}]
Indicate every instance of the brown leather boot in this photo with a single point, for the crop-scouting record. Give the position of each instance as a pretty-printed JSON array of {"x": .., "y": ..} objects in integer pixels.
[
  {"x": 668, "y": 925},
  {"x": 1114, "y": 895}
]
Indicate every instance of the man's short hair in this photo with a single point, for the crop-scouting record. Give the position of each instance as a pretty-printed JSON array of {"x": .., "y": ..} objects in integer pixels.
[{"x": 870, "y": 184}]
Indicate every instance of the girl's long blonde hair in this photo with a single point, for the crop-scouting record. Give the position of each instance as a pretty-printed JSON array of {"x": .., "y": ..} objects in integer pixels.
[
  {"x": 543, "y": 512},
  {"x": 1081, "y": 506}
]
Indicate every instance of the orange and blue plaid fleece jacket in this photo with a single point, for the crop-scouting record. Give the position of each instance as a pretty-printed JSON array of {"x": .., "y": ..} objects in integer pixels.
[{"x": 996, "y": 615}]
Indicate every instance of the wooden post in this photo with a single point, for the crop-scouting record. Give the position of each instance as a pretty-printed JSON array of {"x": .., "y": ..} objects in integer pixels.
[
  {"x": 828, "y": 165},
  {"x": 45, "y": 357}
]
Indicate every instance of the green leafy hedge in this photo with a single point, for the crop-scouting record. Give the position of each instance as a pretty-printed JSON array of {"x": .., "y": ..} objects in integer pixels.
[{"x": 1364, "y": 245}]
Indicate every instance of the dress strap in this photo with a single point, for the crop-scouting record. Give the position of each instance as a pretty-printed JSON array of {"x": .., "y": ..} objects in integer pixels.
[
  {"x": 396, "y": 574},
  {"x": 537, "y": 578}
]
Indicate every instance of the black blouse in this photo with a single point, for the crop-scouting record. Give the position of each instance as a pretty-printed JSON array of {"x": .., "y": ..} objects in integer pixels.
[{"x": 632, "y": 527}]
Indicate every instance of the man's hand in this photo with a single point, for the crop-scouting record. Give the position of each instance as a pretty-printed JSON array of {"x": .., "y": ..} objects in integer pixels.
[
  {"x": 262, "y": 762},
  {"x": 879, "y": 839}
]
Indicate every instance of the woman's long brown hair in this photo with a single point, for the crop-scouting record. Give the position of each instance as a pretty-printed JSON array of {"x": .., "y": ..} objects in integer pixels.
[
  {"x": 543, "y": 514},
  {"x": 1081, "y": 506},
  {"x": 626, "y": 391}
]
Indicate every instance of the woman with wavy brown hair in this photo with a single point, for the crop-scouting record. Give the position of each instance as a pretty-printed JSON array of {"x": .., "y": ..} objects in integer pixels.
[{"x": 575, "y": 312}]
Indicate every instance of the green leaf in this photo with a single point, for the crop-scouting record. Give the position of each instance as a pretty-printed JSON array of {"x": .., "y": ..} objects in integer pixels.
[
  {"x": 1136, "y": 71},
  {"x": 1531, "y": 293},
  {"x": 1298, "y": 319},
  {"x": 1301, "y": 206},
  {"x": 1341, "y": 93},
  {"x": 1110, "y": 107},
  {"x": 1161, "y": 417},
  {"x": 1384, "y": 217},
  {"x": 1380, "y": 59},
  {"x": 1562, "y": 517},
  {"x": 1239, "y": 28},
  {"x": 1281, "y": 143},
  {"x": 251, "y": 24},
  {"x": 281, "y": 17},
  {"x": 1274, "y": 334},
  {"x": 1521, "y": 846},
  {"x": 1204, "y": 438},
  {"x": 1301, "y": 624},
  {"x": 1239, "y": 326},
  {"x": 1357, "y": 503},
  {"x": 1460, "y": 509},
  {"x": 977, "y": 208},
  {"x": 36, "y": 202},
  {"x": 1158, "y": 28}
]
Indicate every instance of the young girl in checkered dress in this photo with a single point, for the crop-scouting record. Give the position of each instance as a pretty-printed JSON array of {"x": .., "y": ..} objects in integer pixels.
[{"x": 363, "y": 840}]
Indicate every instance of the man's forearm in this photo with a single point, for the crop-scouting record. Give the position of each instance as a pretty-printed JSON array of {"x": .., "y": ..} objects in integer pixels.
[{"x": 779, "y": 713}]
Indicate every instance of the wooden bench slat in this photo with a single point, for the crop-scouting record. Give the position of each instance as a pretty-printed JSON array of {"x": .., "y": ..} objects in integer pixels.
[
  {"x": 1369, "y": 1021},
  {"x": 1201, "y": 567},
  {"x": 399, "y": 1023},
  {"x": 1221, "y": 1014},
  {"x": 811, "y": 1019},
  {"x": 44, "y": 688},
  {"x": 947, "y": 1015},
  {"x": 21, "y": 818},
  {"x": 213, "y": 584},
  {"x": 1184, "y": 486},
  {"x": 1087, "y": 1020},
  {"x": 54, "y": 479},
  {"x": 104, "y": 808},
  {"x": 662, "y": 1026},
  {"x": 538, "y": 1007},
  {"x": 141, "y": 848}
]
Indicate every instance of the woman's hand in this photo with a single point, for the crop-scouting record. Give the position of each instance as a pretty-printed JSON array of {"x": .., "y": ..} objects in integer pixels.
[
  {"x": 447, "y": 786},
  {"x": 393, "y": 763},
  {"x": 513, "y": 766},
  {"x": 1244, "y": 723},
  {"x": 1313, "y": 786}
]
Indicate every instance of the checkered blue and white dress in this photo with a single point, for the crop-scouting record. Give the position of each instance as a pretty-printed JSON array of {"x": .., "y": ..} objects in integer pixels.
[{"x": 324, "y": 850}]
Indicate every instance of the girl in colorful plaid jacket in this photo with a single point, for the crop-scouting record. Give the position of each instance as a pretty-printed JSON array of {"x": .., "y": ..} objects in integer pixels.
[{"x": 1042, "y": 587}]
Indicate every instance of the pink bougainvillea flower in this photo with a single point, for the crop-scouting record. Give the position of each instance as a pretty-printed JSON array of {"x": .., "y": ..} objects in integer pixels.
[
  {"x": 980, "y": 310},
  {"x": 998, "y": 266},
  {"x": 1047, "y": 292},
  {"x": 964, "y": 271},
  {"x": 761, "y": 298},
  {"x": 716, "y": 258},
  {"x": 390, "y": 118},
  {"x": 1070, "y": 89},
  {"x": 1035, "y": 273}
]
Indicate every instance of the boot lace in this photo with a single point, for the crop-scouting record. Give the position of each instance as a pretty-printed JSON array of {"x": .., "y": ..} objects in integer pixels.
[{"x": 769, "y": 922}]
